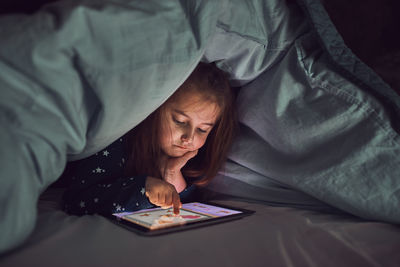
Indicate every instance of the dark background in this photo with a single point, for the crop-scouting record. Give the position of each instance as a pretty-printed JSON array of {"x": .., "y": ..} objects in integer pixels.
[{"x": 371, "y": 29}]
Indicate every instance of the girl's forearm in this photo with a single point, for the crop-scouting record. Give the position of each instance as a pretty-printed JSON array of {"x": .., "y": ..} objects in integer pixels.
[{"x": 176, "y": 179}]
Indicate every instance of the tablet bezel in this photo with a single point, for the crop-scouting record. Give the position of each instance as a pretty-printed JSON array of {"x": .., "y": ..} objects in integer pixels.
[{"x": 182, "y": 227}]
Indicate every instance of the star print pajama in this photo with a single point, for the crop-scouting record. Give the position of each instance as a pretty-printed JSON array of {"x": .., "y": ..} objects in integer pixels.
[{"x": 97, "y": 184}]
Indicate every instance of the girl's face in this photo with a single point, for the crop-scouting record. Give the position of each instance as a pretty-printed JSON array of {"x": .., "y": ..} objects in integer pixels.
[{"x": 186, "y": 123}]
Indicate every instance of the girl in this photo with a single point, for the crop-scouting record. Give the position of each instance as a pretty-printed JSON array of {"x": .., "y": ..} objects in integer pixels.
[{"x": 181, "y": 144}]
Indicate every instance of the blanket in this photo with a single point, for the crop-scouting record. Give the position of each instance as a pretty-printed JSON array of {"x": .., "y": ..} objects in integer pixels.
[{"x": 76, "y": 75}]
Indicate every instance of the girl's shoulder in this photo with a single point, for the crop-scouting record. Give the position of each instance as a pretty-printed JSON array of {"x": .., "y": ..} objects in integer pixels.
[
  {"x": 112, "y": 158},
  {"x": 116, "y": 149}
]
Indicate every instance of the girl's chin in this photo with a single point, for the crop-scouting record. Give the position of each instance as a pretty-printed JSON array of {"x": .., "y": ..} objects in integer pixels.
[{"x": 175, "y": 153}]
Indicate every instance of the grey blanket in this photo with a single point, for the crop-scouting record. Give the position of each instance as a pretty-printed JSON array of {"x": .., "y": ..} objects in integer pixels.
[{"x": 76, "y": 75}]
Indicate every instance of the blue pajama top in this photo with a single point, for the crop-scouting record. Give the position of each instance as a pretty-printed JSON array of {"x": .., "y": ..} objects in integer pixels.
[{"x": 97, "y": 184}]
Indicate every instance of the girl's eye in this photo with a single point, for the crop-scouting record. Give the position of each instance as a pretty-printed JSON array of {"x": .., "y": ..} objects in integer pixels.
[
  {"x": 178, "y": 122},
  {"x": 201, "y": 130}
]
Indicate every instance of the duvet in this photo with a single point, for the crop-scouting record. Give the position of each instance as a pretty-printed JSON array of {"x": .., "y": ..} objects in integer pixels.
[{"x": 318, "y": 127}]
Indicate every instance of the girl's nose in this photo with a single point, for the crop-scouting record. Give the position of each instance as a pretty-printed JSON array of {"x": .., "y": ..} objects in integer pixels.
[{"x": 187, "y": 137}]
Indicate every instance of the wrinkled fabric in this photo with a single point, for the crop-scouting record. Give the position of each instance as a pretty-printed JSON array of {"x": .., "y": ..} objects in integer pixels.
[
  {"x": 75, "y": 76},
  {"x": 321, "y": 135},
  {"x": 272, "y": 236},
  {"x": 317, "y": 121}
]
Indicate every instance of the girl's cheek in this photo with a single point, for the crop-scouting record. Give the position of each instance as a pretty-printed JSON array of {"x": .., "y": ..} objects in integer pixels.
[
  {"x": 175, "y": 133},
  {"x": 199, "y": 142}
]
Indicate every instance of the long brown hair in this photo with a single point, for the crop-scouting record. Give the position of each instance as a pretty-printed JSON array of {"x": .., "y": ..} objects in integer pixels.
[{"x": 144, "y": 146}]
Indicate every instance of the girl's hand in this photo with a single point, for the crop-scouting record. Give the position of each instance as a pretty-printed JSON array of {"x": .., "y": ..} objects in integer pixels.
[
  {"x": 176, "y": 164},
  {"x": 171, "y": 169},
  {"x": 162, "y": 194}
]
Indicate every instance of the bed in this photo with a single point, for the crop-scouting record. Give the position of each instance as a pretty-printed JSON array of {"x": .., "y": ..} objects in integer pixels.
[
  {"x": 316, "y": 157},
  {"x": 273, "y": 236}
]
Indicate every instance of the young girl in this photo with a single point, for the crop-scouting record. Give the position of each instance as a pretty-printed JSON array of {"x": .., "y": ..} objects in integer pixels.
[{"x": 181, "y": 144}]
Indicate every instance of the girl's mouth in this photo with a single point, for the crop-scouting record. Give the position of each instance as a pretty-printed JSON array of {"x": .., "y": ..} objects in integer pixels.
[{"x": 181, "y": 147}]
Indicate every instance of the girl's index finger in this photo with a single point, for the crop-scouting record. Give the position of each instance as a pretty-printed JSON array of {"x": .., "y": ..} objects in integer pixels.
[{"x": 176, "y": 203}]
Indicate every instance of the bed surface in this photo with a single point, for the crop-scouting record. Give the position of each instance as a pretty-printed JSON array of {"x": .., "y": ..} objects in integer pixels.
[{"x": 273, "y": 236}]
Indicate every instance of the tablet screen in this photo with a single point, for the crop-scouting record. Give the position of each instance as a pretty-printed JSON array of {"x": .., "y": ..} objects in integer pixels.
[{"x": 157, "y": 218}]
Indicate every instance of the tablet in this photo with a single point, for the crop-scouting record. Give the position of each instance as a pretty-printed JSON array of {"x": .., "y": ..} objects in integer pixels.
[{"x": 192, "y": 215}]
